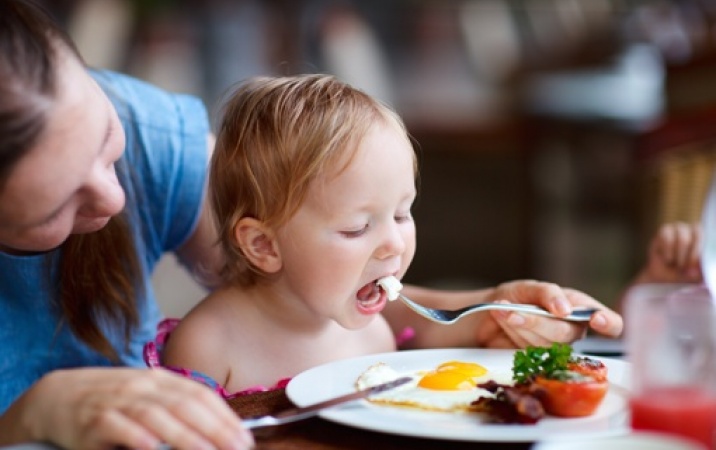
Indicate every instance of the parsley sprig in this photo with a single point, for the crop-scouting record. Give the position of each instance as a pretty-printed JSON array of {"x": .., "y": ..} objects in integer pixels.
[{"x": 545, "y": 361}]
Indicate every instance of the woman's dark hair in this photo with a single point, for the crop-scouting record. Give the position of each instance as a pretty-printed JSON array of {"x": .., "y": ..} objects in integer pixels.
[{"x": 99, "y": 274}]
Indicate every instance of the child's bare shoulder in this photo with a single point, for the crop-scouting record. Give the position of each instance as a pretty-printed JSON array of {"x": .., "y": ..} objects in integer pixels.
[{"x": 202, "y": 334}]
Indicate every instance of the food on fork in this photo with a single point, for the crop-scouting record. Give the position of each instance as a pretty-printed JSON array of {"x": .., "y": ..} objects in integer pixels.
[{"x": 391, "y": 286}]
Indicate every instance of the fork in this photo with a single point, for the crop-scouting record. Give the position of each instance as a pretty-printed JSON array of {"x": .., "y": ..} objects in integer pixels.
[{"x": 447, "y": 316}]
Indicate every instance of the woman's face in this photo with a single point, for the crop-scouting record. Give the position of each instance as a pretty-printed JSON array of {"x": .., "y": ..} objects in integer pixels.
[{"x": 66, "y": 184}]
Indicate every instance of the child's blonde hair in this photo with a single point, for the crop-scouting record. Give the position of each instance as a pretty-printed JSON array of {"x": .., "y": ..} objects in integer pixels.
[{"x": 276, "y": 137}]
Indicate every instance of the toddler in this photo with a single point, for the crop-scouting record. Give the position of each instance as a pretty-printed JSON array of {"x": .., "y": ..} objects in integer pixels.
[{"x": 312, "y": 184}]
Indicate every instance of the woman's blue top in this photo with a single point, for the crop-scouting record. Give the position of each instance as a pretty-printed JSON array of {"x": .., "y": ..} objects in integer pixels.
[{"x": 164, "y": 169}]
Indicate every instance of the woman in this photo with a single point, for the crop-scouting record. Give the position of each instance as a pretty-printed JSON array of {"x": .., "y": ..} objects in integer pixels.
[
  {"x": 74, "y": 259},
  {"x": 101, "y": 174}
]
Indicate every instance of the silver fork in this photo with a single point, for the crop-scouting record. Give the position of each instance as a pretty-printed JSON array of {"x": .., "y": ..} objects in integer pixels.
[{"x": 447, "y": 316}]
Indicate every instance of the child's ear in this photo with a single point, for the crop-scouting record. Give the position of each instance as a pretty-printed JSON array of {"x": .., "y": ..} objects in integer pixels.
[{"x": 258, "y": 244}]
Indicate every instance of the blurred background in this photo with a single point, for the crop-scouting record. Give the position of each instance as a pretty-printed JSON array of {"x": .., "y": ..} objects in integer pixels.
[{"x": 554, "y": 136}]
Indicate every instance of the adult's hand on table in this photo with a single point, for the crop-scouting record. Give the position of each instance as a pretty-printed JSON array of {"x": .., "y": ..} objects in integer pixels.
[
  {"x": 99, "y": 408},
  {"x": 512, "y": 329}
]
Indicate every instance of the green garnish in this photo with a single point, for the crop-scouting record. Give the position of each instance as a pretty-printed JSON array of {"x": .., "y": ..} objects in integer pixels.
[{"x": 545, "y": 361}]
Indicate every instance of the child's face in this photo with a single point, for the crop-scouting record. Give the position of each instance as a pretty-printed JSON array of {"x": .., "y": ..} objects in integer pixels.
[{"x": 353, "y": 229}]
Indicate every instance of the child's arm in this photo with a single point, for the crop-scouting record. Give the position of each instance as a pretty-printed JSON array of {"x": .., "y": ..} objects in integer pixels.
[
  {"x": 673, "y": 256},
  {"x": 198, "y": 344}
]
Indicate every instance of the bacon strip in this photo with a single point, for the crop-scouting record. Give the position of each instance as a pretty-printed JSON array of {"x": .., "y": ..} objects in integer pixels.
[{"x": 519, "y": 404}]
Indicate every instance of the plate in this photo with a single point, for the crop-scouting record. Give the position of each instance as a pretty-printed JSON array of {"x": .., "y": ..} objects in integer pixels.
[
  {"x": 338, "y": 377},
  {"x": 637, "y": 440}
]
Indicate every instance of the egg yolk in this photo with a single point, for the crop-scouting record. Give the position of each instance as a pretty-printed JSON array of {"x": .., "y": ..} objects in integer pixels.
[
  {"x": 452, "y": 376},
  {"x": 470, "y": 369},
  {"x": 447, "y": 381}
]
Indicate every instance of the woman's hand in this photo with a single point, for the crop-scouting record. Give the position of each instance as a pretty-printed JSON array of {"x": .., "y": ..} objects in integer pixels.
[
  {"x": 510, "y": 329},
  {"x": 134, "y": 408},
  {"x": 501, "y": 329}
]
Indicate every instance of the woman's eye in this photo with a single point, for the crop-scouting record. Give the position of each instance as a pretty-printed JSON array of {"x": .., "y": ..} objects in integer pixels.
[
  {"x": 355, "y": 233},
  {"x": 51, "y": 219}
]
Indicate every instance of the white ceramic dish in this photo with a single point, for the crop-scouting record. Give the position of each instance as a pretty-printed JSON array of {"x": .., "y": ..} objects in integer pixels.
[
  {"x": 336, "y": 378},
  {"x": 632, "y": 441}
]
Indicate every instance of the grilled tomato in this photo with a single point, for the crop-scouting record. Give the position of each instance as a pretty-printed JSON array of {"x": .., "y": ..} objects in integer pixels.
[
  {"x": 569, "y": 386},
  {"x": 571, "y": 394},
  {"x": 588, "y": 367}
]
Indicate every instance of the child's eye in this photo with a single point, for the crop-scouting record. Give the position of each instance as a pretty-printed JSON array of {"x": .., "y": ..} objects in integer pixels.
[
  {"x": 355, "y": 233},
  {"x": 401, "y": 218}
]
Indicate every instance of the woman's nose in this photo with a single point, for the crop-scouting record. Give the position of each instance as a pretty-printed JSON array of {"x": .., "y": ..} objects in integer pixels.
[{"x": 105, "y": 196}]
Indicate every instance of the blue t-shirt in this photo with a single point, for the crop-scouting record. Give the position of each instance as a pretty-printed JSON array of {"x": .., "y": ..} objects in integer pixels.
[{"x": 164, "y": 171}]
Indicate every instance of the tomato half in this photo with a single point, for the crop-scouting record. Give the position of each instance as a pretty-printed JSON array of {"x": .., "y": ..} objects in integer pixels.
[
  {"x": 589, "y": 367},
  {"x": 571, "y": 398}
]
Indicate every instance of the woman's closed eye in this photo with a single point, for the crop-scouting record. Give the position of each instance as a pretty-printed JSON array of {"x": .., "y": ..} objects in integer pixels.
[{"x": 49, "y": 220}]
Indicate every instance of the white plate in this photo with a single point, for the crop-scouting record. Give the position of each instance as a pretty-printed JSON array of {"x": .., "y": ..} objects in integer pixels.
[
  {"x": 639, "y": 440},
  {"x": 337, "y": 378}
]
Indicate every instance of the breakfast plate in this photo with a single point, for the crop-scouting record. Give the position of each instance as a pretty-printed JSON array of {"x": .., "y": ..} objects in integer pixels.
[{"x": 339, "y": 377}]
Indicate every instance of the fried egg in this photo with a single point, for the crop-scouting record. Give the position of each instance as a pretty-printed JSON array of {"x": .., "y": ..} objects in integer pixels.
[{"x": 449, "y": 387}]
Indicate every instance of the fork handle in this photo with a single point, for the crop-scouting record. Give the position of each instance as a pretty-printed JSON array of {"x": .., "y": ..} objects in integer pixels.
[{"x": 577, "y": 315}]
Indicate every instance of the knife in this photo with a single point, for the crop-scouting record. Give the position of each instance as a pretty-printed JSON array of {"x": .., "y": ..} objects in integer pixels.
[{"x": 296, "y": 414}]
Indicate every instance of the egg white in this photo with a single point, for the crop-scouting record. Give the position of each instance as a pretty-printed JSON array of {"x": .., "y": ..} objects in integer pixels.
[{"x": 413, "y": 396}]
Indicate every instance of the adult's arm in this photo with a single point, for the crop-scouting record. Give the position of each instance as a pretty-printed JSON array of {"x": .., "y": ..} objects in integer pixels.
[
  {"x": 501, "y": 329},
  {"x": 200, "y": 254},
  {"x": 134, "y": 408}
]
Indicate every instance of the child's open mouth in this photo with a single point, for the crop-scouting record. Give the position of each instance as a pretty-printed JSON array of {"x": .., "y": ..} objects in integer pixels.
[
  {"x": 370, "y": 296},
  {"x": 373, "y": 296}
]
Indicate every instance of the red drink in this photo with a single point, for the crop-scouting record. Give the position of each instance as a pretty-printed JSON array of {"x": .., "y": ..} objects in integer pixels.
[{"x": 685, "y": 411}]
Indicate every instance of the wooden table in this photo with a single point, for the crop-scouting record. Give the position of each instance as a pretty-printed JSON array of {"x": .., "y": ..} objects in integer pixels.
[{"x": 320, "y": 434}]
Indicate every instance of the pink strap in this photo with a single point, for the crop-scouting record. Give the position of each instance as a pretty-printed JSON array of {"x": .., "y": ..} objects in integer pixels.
[{"x": 152, "y": 357}]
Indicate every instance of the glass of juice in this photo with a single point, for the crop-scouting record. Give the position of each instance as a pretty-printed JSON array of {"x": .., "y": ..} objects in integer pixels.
[{"x": 670, "y": 337}]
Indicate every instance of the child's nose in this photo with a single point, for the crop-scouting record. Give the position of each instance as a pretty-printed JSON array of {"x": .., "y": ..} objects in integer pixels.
[{"x": 393, "y": 243}]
